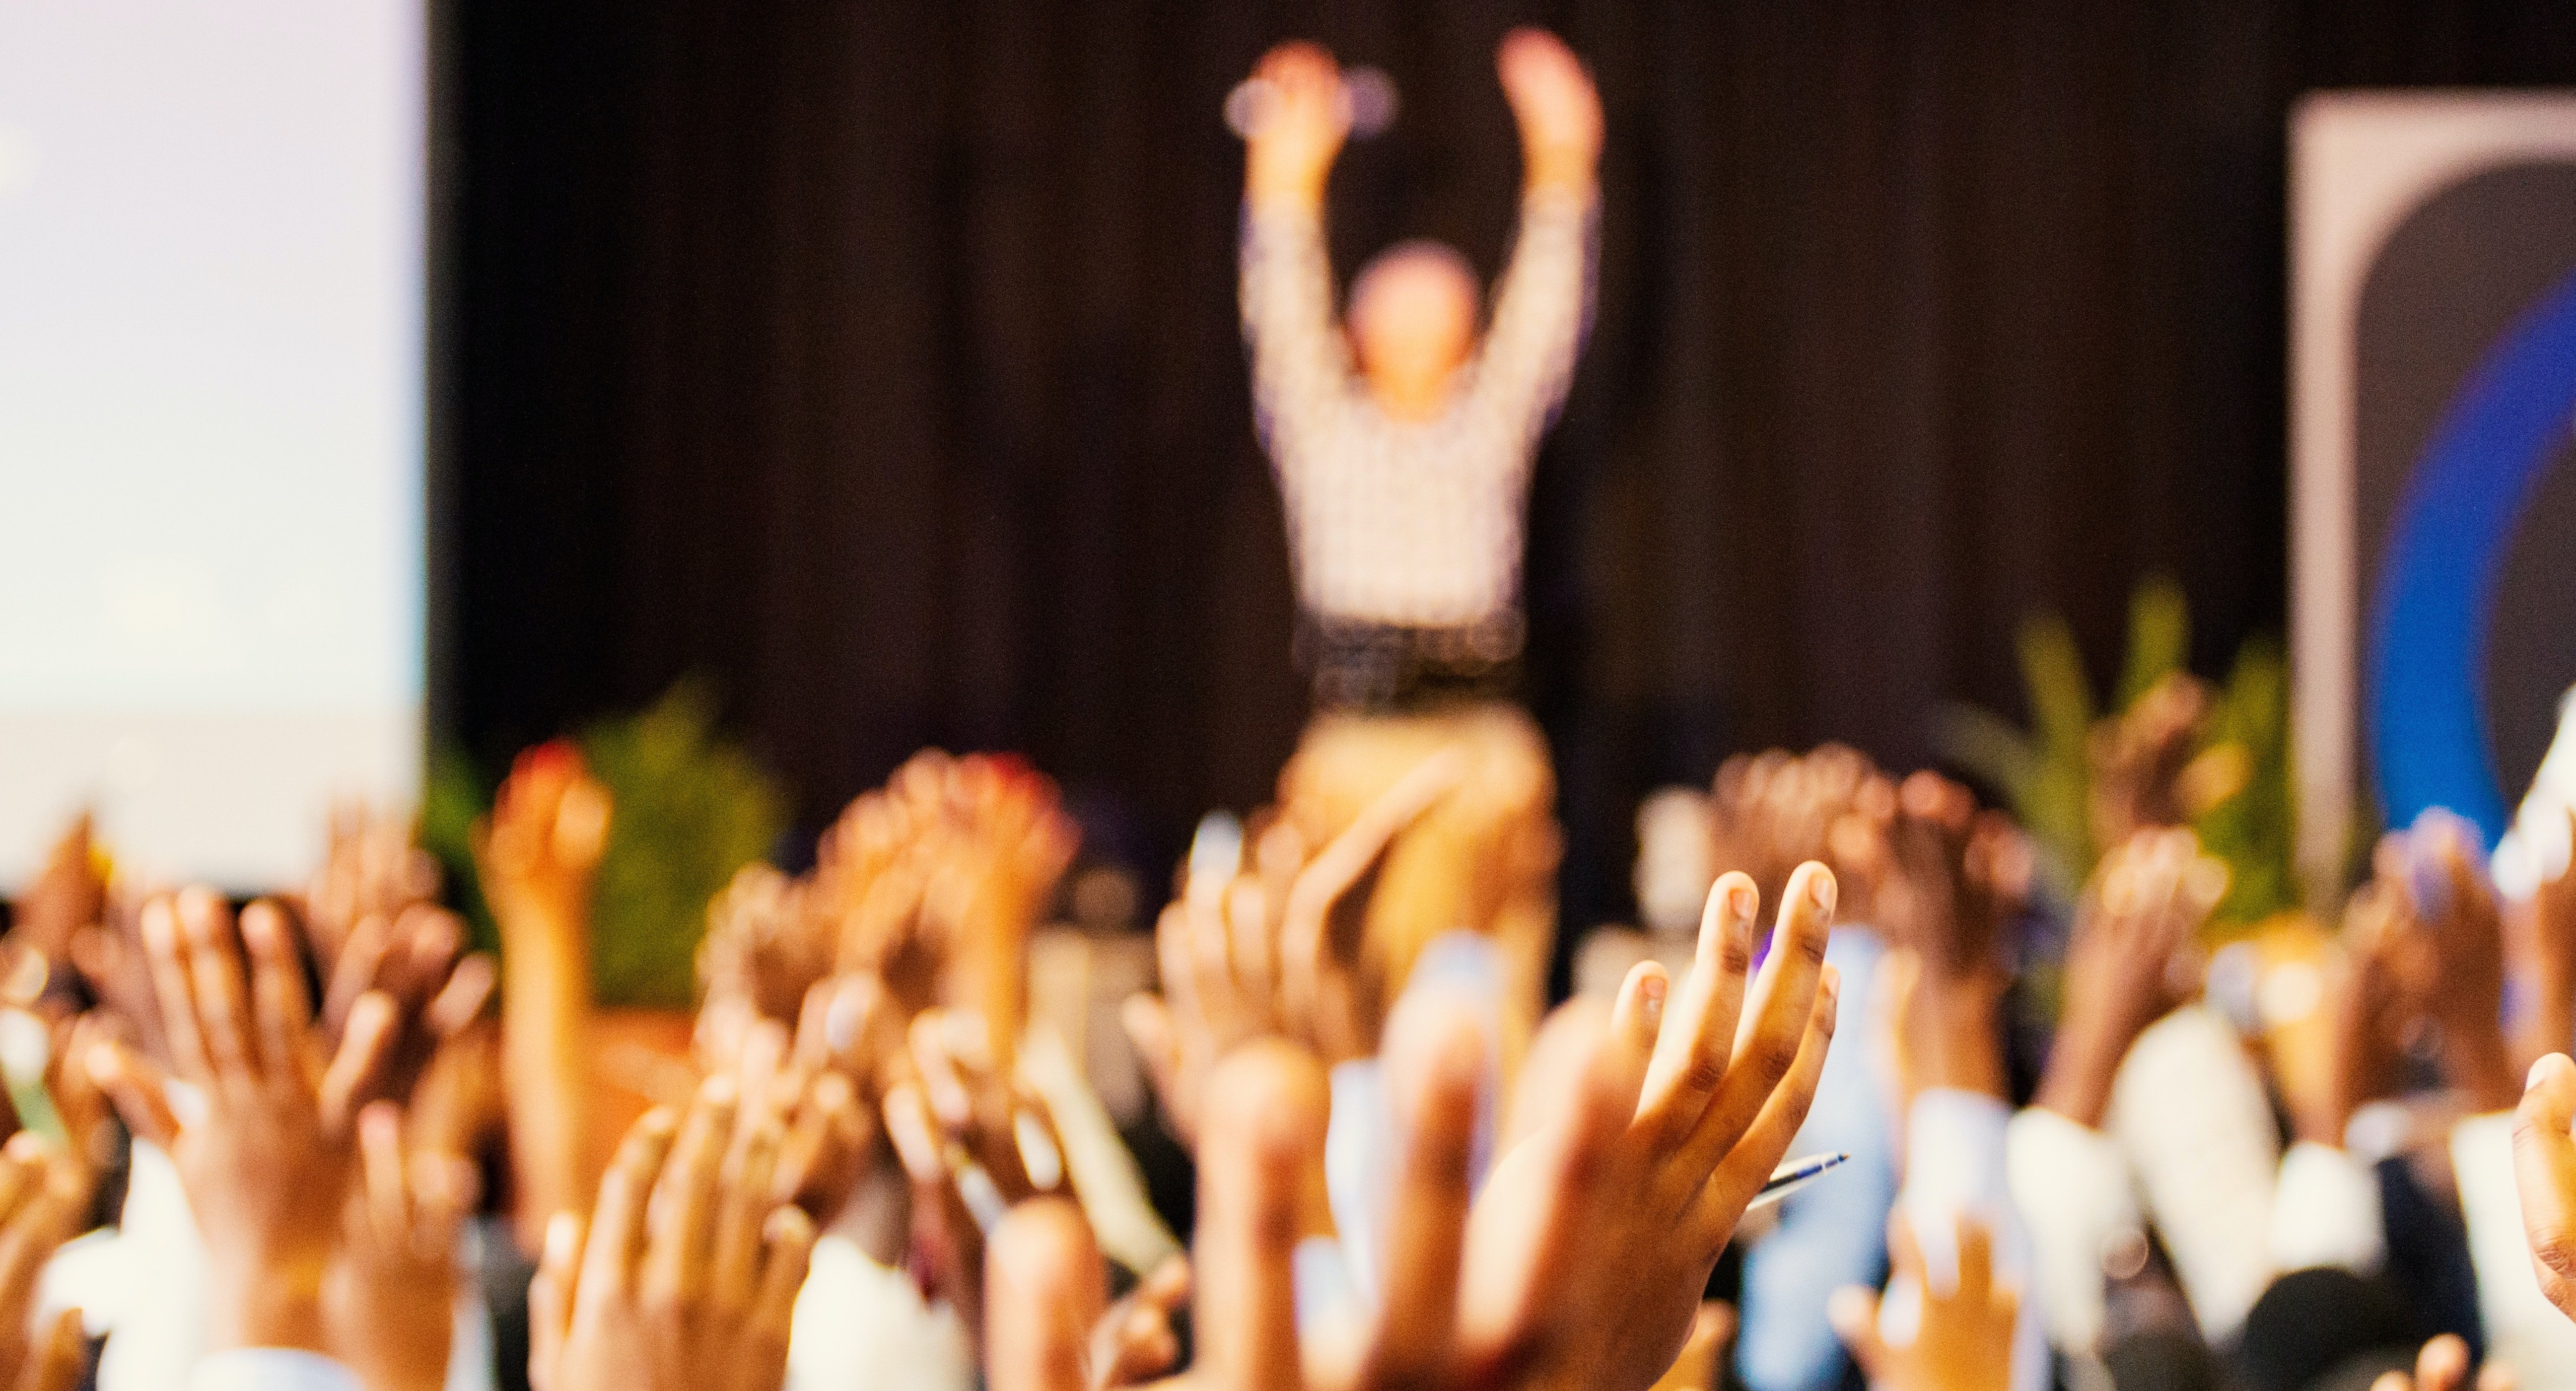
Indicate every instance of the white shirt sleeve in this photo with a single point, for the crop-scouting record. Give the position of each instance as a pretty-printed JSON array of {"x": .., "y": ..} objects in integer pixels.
[
  {"x": 2072, "y": 1187},
  {"x": 1301, "y": 367},
  {"x": 2524, "y": 1330},
  {"x": 2190, "y": 1113},
  {"x": 270, "y": 1369},
  {"x": 1541, "y": 308},
  {"x": 2326, "y": 1212}
]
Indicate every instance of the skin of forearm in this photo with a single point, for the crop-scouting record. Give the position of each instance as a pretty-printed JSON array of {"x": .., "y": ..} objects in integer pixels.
[
  {"x": 269, "y": 1302},
  {"x": 1272, "y": 178},
  {"x": 545, "y": 1026},
  {"x": 2077, "y": 1084},
  {"x": 1558, "y": 170},
  {"x": 1963, "y": 1050}
]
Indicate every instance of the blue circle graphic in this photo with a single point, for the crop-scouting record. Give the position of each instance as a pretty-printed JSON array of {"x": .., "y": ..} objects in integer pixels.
[{"x": 2435, "y": 600}]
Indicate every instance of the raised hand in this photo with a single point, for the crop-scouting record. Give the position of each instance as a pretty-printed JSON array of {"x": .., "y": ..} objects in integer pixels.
[
  {"x": 374, "y": 867},
  {"x": 1553, "y": 101},
  {"x": 411, "y": 958},
  {"x": 1964, "y": 1341},
  {"x": 42, "y": 1200},
  {"x": 2454, "y": 965},
  {"x": 1300, "y": 128},
  {"x": 68, "y": 894},
  {"x": 2138, "y": 760},
  {"x": 2127, "y": 965},
  {"x": 827, "y": 1137},
  {"x": 389, "y": 1300},
  {"x": 1681, "y": 1115},
  {"x": 537, "y": 857},
  {"x": 2544, "y": 1175},
  {"x": 686, "y": 1277},
  {"x": 268, "y": 1161},
  {"x": 973, "y": 1142},
  {"x": 2366, "y": 1014},
  {"x": 1271, "y": 952}
]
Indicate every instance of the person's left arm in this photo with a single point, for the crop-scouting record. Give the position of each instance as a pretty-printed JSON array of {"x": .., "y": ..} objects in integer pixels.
[{"x": 1543, "y": 302}]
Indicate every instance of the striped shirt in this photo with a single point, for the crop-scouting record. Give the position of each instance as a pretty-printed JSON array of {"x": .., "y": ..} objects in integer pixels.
[{"x": 1411, "y": 523}]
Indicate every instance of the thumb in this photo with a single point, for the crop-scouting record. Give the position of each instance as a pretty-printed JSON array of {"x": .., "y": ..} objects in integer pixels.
[{"x": 1853, "y": 1312}]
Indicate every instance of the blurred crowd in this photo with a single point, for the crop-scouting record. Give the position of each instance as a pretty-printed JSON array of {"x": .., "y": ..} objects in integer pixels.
[{"x": 312, "y": 1140}]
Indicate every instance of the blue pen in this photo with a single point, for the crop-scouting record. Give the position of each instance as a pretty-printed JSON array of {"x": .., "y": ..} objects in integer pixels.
[{"x": 1792, "y": 1176}]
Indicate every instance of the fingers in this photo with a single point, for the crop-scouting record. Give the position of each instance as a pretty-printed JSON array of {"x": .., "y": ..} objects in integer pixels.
[
  {"x": 1134, "y": 1342},
  {"x": 743, "y": 1201},
  {"x": 215, "y": 974},
  {"x": 680, "y": 1217},
  {"x": 386, "y": 1195},
  {"x": 277, "y": 992},
  {"x": 1436, "y": 1062},
  {"x": 2443, "y": 1365},
  {"x": 461, "y": 1000},
  {"x": 2544, "y": 1173},
  {"x": 365, "y": 1052},
  {"x": 1303, "y": 941},
  {"x": 550, "y": 1296},
  {"x": 165, "y": 953},
  {"x": 1691, "y": 1056},
  {"x": 788, "y": 1246},
  {"x": 138, "y": 1090},
  {"x": 617, "y": 1236},
  {"x": 1749, "y": 1164},
  {"x": 1267, "y": 1125},
  {"x": 1043, "y": 1289},
  {"x": 1780, "y": 1016}
]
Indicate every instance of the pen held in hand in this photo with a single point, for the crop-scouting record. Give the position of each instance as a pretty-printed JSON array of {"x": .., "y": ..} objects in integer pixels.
[{"x": 1792, "y": 1176}]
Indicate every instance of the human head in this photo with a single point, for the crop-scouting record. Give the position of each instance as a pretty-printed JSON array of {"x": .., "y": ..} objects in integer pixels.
[{"x": 1412, "y": 321}]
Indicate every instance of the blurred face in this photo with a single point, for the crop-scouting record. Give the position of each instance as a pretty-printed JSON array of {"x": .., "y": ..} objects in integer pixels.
[{"x": 1412, "y": 323}]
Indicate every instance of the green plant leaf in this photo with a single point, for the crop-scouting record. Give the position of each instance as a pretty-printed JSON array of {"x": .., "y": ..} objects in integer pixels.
[
  {"x": 691, "y": 808},
  {"x": 2159, "y": 637}
]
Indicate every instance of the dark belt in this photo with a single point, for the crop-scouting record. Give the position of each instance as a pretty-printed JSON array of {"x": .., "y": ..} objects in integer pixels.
[{"x": 1365, "y": 668}]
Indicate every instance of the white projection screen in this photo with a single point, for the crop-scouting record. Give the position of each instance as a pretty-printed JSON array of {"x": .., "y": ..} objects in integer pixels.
[{"x": 211, "y": 425}]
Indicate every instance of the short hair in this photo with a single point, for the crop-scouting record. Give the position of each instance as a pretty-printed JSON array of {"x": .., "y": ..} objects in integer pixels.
[{"x": 1415, "y": 251}]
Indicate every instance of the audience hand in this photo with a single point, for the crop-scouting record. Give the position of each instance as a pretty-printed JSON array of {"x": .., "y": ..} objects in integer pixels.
[
  {"x": 1555, "y": 105},
  {"x": 2138, "y": 919},
  {"x": 537, "y": 857},
  {"x": 1301, "y": 127},
  {"x": 2443, "y": 1365},
  {"x": 687, "y": 1276},
  {"x": 2139, "y": 760},
  {"x": 67, "y": 895},
  {"x": 265, "y": 1157},
  {"x": 372, "y": 867},
  {"x": 1964, "y": 1341},
  {"x": 42, "y": 1203},
  {"x": 2454, "y": 930},
  {"x": 1235, "y": 968},
  {"x": 389, "y": 1301},
  {"x": 2544, "y": 1174},
  {"x": 2367, "y": 1015}
]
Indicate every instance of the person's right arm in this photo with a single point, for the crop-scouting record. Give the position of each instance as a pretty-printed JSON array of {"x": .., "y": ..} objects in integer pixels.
[{"x": 1300, "y": 364}]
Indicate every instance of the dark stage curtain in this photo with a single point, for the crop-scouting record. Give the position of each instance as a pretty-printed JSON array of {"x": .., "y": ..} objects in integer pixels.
[{"x": 878, "y": 360}]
